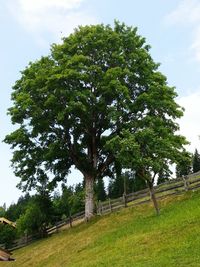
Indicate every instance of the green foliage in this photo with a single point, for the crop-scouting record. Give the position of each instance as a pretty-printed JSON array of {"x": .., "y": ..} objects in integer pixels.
[
  {"x": 116, "y": 187},
  {"x": 153, "y": 144},
  {"x": 127, "y": 182},
  {"x": 7, "y": 234},
  {"x": 31, "y": 222},
  {"x": 3, "y": 210},
  {"x": 16, "y": 209},
  {"x": 163, "y": 176},
  {"x": 184, "y": 165},
  {"x": 196, "y": 161},
  {"x": 37, "y": 217},
  {"x": 137, "y": 183},
  {"x": 71, "y": 201},
  {"x": 76, "y": 202},
  {"x": 100, "y": 190},
  {"x": 61, "y": 204}
]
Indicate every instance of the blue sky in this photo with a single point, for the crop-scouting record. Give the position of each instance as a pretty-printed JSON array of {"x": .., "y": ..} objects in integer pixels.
[{"x": 171, "y": 27}]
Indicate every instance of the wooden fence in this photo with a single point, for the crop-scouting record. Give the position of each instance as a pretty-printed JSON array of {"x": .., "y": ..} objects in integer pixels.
[
  {"x": 172, "y": 187},
  {"x": 26, "y": 240}
]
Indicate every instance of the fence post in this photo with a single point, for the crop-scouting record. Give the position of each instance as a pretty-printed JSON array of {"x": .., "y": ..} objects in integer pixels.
[
  {"x": 56, "y": 227},
  {"x": 186, "y": 182},
  {"x": 70, "y": 220},
  {"x": 99, "y": 207},
  {"x": 26, "y": 238},
  {"x": 125, "y": 200},
  {"x": 110, "y": 205}
]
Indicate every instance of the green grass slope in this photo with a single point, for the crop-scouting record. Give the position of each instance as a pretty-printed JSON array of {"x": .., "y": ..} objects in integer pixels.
[{"x": 131, "y": 237}]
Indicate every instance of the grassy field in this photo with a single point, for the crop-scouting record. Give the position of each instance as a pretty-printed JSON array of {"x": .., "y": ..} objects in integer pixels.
[{"x": 131, "y": 237}]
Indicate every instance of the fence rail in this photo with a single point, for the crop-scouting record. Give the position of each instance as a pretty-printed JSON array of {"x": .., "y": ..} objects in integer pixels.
[{"x": 169, "y": 188}]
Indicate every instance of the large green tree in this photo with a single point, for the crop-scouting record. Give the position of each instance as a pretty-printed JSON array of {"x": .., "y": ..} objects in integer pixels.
[{"x": 70, "y": 104}]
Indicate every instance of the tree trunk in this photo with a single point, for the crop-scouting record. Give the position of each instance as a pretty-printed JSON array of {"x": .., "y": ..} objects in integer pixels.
[
  {"x": 89, "y": 197},
  {"x": 153, "y": 197}
]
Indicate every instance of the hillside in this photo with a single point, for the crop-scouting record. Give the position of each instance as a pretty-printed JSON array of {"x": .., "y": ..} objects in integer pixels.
[{"x": 131, "y": 237}]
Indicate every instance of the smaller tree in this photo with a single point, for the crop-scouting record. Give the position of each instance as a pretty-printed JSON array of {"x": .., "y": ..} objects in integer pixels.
[
  {"x": 7, "y": 235},
  {"x": 61, "y": 203},
  {"x": 163, "y": 176},
  {"x": 149, "y": 151},
  {"x": 184, "y": 165},
  {"x": 3, "y": 210},
  {"x": 196, "y": 161},
  {"x": 37, "y": 216},
  {"x": 116, "y": 187},
  {"x": 77, "y": 199},
  {"x": 16, "y": 209},
  {"x": 71, "y": 201},
  {"x": 116, "y": 183},
  {"x": 100, "y": 189},
  {"x": 126, "y": 182},
  {"x": 134, "y": 182},
  {"x": 31, "y": 222}
]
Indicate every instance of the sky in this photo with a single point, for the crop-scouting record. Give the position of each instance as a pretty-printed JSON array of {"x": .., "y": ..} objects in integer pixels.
[{"x": 29, "y": 27}]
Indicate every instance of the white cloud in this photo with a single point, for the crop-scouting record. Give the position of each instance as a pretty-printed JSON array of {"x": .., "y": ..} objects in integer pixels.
[
  {"x": 196, "y": 43},
  {"x": 36, "y": 5},
  {"x": 56, "y": 17},
  {"x": 189, "y": 123},
  {"x": 188, "y": 11},
  {"x": 187, "y": 14}
]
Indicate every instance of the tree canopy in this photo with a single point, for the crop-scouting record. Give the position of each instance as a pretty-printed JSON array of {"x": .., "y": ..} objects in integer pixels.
[{"x": 73, "y": 106}]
